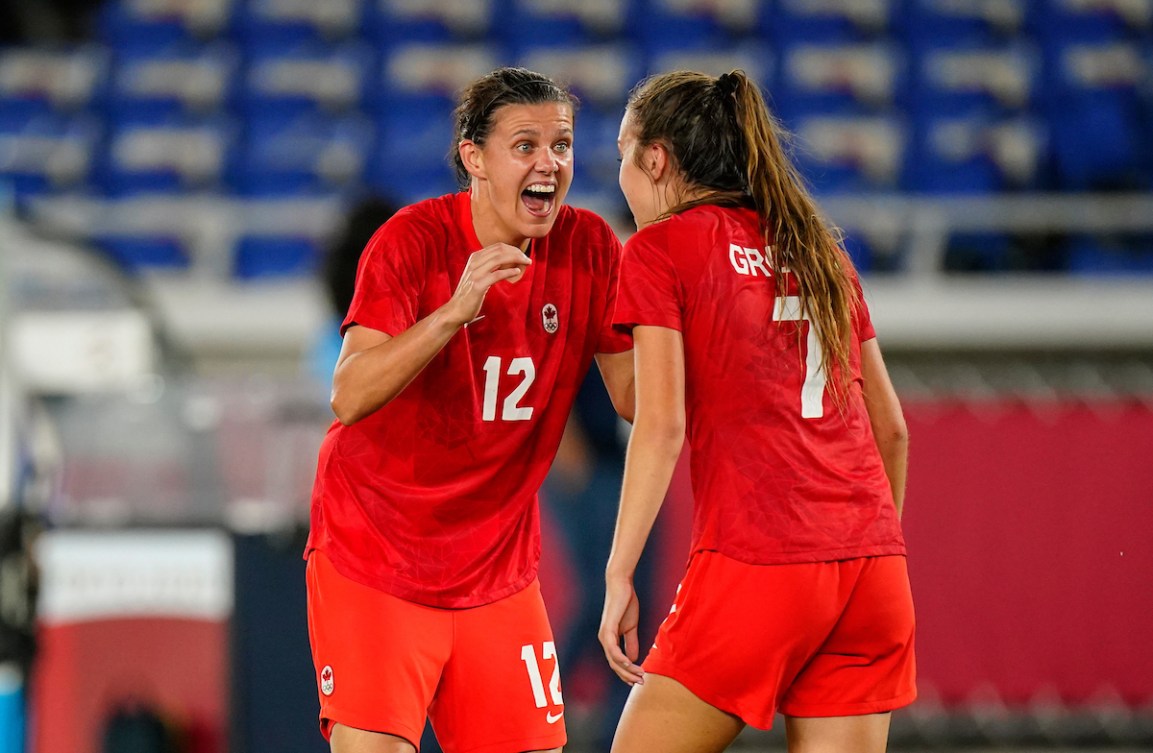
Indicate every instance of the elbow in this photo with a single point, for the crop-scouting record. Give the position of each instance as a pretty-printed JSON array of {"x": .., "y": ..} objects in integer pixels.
[
  {"x": 345, "y": 410},
  {"x": 666, "y": 431},
  {"x": 894, "y": 435}
]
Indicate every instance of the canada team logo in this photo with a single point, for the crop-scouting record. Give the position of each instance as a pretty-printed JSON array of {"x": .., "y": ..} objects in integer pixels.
[
  {"x": 548, "y": 316},
  {"x": 327, "y": 684}
]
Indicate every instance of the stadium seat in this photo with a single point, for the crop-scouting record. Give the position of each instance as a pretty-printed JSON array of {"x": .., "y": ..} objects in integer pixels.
[
  {"x": 976, "y": 153},
  {"x": 307, "y": 78},
  {"x": 599, "y": 75},
  {"x": 754, "y": 58},
  {"x": 393, "y": 22},
  {"x": 839, "y": 154},
  {"x": 829, "y": 21},
  {"x": 162, "y": 22},
  {"x": 862, "y": 79},
  {"x": 948, "y": 23},
  {"x": 661, "y": 26},
  {"x": 52, "y": 81},
  {"x": 47, "y": 153},
  {"x": 428, "y": 74},
  {"x": 561, "y": 22},
  {"x": 993, "y": 78},
  {"x": 184, "y": 78},
  {"x": 411, "y": 156},
  {"x": 307, "y": 154},
  {"x": 166, "y": 155},
  {"x": 291, "y": 22},
  {"x": 1101, "y": 116}
]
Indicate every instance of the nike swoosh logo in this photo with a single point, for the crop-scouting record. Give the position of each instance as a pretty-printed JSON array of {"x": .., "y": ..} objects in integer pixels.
[{"x": 553, "y": 718}]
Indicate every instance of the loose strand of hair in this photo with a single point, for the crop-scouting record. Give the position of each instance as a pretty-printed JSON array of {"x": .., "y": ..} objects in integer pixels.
[{"x": 802, "y": 242}]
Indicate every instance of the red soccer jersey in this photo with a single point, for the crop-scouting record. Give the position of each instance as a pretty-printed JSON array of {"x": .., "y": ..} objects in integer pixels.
[
  {"x": 780, "y": 474},
  {"x": 432, "y": 498}
]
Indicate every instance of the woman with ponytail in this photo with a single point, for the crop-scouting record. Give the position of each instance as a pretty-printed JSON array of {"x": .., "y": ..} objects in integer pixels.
[{"x": 752, "y": 338}]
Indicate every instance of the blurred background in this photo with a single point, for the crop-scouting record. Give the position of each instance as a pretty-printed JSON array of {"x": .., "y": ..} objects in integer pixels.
[{"x": 185, "y": 186}]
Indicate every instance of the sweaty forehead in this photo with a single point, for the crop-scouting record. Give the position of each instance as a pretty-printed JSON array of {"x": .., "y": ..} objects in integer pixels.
[{"x": 544, "y": 117}]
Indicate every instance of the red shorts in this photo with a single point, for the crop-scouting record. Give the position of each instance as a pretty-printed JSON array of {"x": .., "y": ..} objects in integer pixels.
[
  {"x": 487, "y": 677},
  {"x": 809, "y": 640}
]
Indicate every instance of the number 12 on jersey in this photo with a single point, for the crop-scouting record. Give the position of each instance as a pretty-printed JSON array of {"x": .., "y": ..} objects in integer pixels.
[{"x": 511, "y": 409}]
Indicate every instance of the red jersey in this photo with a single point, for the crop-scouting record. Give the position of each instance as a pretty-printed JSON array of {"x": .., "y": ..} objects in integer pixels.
[
  {"x": 432, "y": 498},
  {"x": 780, "y": 474}
]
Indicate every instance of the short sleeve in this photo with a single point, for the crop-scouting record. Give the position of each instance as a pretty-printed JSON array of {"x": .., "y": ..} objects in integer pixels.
[
  {"x": 612, "y": 339},
  {"x": 863, "y": 319},
  {"x": 649, "y": 291},
  {"x": 389, "y": 279}
]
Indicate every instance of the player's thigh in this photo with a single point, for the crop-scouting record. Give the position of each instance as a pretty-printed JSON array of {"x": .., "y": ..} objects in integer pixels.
[
  {"x": 838, "y": 734},
  {"x": 378, "y": 658},
  {"x": 345, "y": 739},
  {"x": 663, "y": 715},
  {"x": 502, "y": 685}
]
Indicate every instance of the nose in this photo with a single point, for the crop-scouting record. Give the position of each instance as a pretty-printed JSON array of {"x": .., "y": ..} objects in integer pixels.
[{"x": 547, "y": 162}]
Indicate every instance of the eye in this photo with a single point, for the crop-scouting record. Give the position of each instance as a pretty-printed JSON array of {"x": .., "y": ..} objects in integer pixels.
[
  {"x": 524, "y": 147},
  {"x": 562, "y": 147}
]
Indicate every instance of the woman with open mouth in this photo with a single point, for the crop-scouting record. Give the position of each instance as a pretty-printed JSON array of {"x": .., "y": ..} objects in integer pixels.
[{"x": 475, "y": 318}]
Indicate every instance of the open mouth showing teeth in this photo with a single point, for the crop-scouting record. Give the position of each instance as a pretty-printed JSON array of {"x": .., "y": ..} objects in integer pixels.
[{"x": 539, "y": 197}]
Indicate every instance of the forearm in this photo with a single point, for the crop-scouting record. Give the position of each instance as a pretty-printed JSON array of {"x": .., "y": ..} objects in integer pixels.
[
  {"x": 367, "y": 380},
  {"x": 651, "y": 460},
  {"x": 894, "y": 449}
]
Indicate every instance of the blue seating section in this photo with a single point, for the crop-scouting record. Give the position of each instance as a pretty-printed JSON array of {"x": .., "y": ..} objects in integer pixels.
[{"x": 268, "y": 98}]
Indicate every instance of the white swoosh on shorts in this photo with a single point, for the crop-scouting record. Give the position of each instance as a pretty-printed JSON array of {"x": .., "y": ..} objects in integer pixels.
[{"x": 553, "y": 719}]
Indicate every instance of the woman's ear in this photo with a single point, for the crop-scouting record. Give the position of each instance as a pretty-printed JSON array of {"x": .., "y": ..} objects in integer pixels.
[
  {"x": 472, "y": 157},
  {"x": 656, "y": 161}
]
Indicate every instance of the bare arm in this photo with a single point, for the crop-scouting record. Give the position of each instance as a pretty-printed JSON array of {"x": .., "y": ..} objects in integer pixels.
[
  {"x": 657, "y": 438},
  {"x": 887, "y": 419},
  {"x": 374, "y": 367},
  {"x": 620, "y": 380}
]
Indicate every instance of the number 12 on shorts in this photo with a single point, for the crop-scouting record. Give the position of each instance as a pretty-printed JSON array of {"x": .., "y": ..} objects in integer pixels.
[{"x": 528, "y": 656}]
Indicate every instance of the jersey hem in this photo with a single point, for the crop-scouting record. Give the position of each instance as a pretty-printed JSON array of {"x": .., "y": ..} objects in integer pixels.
[
  {"x": 418, "y": 595},
  {"x": 800, "y": 558}
]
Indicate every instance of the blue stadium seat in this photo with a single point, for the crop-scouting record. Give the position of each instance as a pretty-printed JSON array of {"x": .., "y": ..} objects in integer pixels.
[
  {"x": 948, "y": 23},
  {"x": 265, "y": 256},
  {"x": 393, "y": 22},
  {"x": 308, "y": 154},
  {"x": 307, "y": 78},
  {"x": 52, "y": 81},
  {"x": 989, "y": 78},
  {"x": 1101, "y": 116},
  {"x": 599, "y": 75},
  {"x": 829, "y": 21},
  {"x": 46, "y": 154},
  {"x": 561, "y": 22},
  {"x": 976, "y": 153},
  {"x": 838, "y": 154},
  {"x": 169, "y": 154},
  {"x": 754, "y": 58},
  {"x": 1074, "y": 21},
  {"x": 418, "y": 75},
  {"x": 138, "y": 253},
  {"x": 848, "y": 79},
  {"x": 664, "y": 25},
  {"x": 1123, "y": 254},
  {"x": 291, "y": 22},
  {"x": 162, "y": 22},
  {"x": 410, "y": 160},
  {"x": 182, "y": 79}
]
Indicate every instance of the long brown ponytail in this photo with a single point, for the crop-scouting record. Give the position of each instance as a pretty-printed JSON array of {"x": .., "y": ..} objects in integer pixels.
[{"x": 725, "y": 140}]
